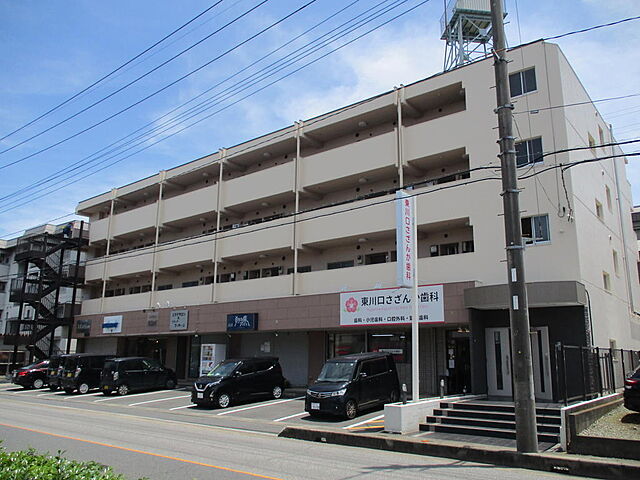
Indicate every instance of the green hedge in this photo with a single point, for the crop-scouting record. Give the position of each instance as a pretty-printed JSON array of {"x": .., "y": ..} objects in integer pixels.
[{"x": 30, "y": 465}]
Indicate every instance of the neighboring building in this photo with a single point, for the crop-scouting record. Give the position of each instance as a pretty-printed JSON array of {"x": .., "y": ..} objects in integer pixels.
[
  {"x": 257, "y": 246},
  {"x": 16, "y": 323}
]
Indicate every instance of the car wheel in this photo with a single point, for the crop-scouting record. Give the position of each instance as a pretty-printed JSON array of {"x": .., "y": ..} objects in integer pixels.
[
  {"x": 123, "y": 390},
  {"x": 83, "y": 388},
  {"x": 350, "y": 409},
  {"x": 170, "y": 384},
  {"x": 68, "y": 391},
  {"x": 38, "y": 383},
  {"x": 393, "y": 398},
  {"x": 277, "y": 391},
  {"x": 223, "y": 400}
]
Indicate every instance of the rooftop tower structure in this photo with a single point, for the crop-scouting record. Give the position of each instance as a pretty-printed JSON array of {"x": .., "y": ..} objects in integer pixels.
[{"x": 466, "y": 27}]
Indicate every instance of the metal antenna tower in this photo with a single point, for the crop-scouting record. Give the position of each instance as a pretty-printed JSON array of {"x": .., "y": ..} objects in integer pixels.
[{"x": 466, "y": 27}]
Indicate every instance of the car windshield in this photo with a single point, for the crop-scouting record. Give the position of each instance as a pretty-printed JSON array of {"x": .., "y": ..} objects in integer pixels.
[
  {"x": 223, "y": 369},
  {"x": 32, "y": 365},
  {"x": 337, "y": 372}
]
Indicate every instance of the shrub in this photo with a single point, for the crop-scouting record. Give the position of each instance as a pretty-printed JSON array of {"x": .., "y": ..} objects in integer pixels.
[{"x": 30, "y": 465}]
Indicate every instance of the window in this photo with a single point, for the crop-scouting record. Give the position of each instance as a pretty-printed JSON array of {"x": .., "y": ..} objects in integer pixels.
[
  {"x": 133, "y": 290},
  {"x": 145, "y": 288},
  {"x": 165, "y": 287},
  {"x": 118, "y": 291},
  {"x": 250, "y": 274},
  {"x": 3, "y": 286},
  {"x": 535, "y": 229},
  {"x": 523, "y": 82},
  {"x": 271, "y": 272},
  {"x": 468, "y": 246},
  {"x": 193, "y": 283},
  {"x": 529, "y": 151},
  {"x": 607, "y": 193},
  {"x": 343, "y": 264},
  {"x": 616, "y": 268},
  {"x": 374, "y": 258},
  {"x": 599, "y": 211},
  {"x": 444, "y": 249},
  {"x": 305, "y": 269},
  {"x": 592, "y": 142},
  {"x": 601, "y": 135},
  {"x": 227, "y": 277},
  {"x": 606, "y": 281}
]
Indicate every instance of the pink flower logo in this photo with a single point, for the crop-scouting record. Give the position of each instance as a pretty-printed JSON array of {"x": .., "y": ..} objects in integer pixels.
[{"x": 351, "y": 305}]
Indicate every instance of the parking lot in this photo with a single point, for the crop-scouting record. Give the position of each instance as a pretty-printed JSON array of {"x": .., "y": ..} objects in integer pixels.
[{"x": 286, "y": 411}]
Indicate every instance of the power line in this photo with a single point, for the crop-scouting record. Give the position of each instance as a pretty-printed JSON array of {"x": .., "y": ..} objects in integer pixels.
[
  {"x": 595, "y": 27},
  {"x": 110, "y": 73},
  {"x": 231, "y": 22},
  {"x": 536, "y": 110},
  {"x": 227, "y": 106}
]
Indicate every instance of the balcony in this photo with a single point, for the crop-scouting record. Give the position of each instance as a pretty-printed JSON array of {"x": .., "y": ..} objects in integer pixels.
[
  {"x": 129, "y": 263},
  {"x": 356, "y": 159},
  {"x": 197, "y": 203},
  {"x": 186, "y": 252},
  {"x": 434, "y": 136},
  {"x": 251, "y": 239},
  {"x": 138, "y": 219},
  {"x": 365, "y": 277},
  {"x": 179, "y": 297},
  {"x": 379, "y": 217},
  {"x": 272, "y": 183},
  {"x": 99, "y": 230}
]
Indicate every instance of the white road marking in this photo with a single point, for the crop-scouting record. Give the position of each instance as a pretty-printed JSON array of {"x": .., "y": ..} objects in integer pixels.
[
  {"x": 290, "y": 416},
  {"x": 364, "y": 421},
  {"x": 158, "y": 400},
  {"x": 50, "y": 393},
  {"x": 260, "y": 406},
  {"x": 184, "y": 406},
  {"x": 81, "y": 395},
  {"x": 129, "y": 396}
]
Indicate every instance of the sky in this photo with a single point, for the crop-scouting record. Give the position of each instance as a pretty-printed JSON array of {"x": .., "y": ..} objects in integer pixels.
[{"x": 52, "y": 50}]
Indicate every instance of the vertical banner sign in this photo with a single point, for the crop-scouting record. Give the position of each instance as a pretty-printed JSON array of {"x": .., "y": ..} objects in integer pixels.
[{"x": 405, "y": 233}]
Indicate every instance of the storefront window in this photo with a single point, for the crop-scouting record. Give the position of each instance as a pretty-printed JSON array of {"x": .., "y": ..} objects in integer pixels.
[
  {"x": 194, "y": 357},
  {"x": 345, "y": 343},
  {"x": 394, "y": 343}
]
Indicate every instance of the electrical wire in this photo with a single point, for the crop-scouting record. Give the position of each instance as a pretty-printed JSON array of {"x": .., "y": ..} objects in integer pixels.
[
  {"x": 112, "y": 72},
  {"x": 595, "y": 27}
]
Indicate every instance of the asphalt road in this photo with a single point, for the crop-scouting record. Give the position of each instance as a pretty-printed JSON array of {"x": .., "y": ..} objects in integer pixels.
[{"x": 166, "y": 439}]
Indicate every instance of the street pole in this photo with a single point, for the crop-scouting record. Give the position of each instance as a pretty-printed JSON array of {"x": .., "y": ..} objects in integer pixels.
[{"x": 525, "y": 406}]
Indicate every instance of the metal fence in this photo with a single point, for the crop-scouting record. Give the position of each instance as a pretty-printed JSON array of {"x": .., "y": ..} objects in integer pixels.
[{"x": 583, "y": 373}]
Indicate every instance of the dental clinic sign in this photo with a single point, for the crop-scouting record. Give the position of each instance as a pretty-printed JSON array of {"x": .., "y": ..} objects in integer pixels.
[
  {"x": 391, "y": 306},
  {"x": 405, "y": 238}
]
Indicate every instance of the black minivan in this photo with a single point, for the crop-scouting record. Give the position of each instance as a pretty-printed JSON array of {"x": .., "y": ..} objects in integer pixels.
[
  {"x": 353, "y": 382},
  {"x": 82, "y": 372},
  {"x": 239, "y": 379},
  {"x": 124, "y": 375},
  {"x": 56, "y": 364}
]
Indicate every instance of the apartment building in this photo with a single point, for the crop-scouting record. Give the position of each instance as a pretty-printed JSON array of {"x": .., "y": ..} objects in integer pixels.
[
  {"x": 17, "y": 311},
  {"x": 285, "y": 244}
]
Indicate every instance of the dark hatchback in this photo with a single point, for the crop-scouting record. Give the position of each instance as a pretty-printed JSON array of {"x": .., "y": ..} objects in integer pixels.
[
  {"x": 348, "y": 384},
  {"x": 31, "y": 376},
  {"x": 239, "y": 379},
  {"x": 82, "y": 372},
  {"x": 632, "y": 391},
  {"x": 54, "y": 371},
  {"x": 128, "y": 374}
]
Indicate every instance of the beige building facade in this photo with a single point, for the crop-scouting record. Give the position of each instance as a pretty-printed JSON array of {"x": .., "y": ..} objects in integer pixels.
[{"x": 285, "y": 226}]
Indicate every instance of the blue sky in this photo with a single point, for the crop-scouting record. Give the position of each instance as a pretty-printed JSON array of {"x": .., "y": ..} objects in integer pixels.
[{"x": 53, "y": 49}]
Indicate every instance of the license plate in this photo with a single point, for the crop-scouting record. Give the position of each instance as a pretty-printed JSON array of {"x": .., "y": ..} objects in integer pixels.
[
  {"x": 106, "y": 387},
  {"x": 69, "y": 374},
  {"x": 315, "y": 406},
  {"x": 199, "y": 395}
]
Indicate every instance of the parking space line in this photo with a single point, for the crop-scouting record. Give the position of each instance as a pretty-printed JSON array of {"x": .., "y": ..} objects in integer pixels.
[
  {"x": 290, "y": 416},
  {"x": 81, "y": 395},
  {"x": 129, "y": 396},
  {"x": 369, "y": 420},
  {"x": 184, "y": 406},
  {"x": 49, "y": 393},
  {"x": 259, "y": 406},
  {"x": 158, "y": 400}
]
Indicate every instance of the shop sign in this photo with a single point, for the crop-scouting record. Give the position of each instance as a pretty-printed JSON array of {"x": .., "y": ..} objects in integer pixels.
[
  {"x": 112, "y": 324},
  {"x": 152, "y": 319},
  {"x": 83, "y": 326},
  {"x": 178, "y": 320},
  {"x": 237, "y": 322},
  {"x": 391, "y": 306},
  {"x": 405, "y": 238}
]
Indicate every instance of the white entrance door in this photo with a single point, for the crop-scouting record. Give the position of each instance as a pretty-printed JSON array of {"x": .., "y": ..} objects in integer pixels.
[
  {"x": 498, "y": 346},
  {"x": 498, "y": 362}
]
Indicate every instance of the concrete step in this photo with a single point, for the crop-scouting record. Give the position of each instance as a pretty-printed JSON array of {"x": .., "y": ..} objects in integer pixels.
[
  {"x": 492, "y": 415},
  {"x": 496, "y": 407},
  {"x": 479, "y": 422}
]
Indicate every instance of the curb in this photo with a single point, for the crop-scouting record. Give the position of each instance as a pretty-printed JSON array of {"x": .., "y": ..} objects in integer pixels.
[{"x": 593, "y": 467}]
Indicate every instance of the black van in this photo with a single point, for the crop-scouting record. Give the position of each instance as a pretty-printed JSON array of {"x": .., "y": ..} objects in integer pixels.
[
  {"x": 56, "y": 363},
  {"x": 239, "y": 379},
  {"x": 82, "y": 371},
  {"x": 347, "y": 384},
  {"x": 124, "y": 375}
]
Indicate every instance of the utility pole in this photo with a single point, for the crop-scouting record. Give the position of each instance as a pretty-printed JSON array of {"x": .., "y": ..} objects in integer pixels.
[{"x": 525, "y": 405}]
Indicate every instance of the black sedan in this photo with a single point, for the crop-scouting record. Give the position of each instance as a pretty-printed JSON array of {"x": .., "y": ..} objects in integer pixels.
[
  {"x": 632, "y": 391},
  {"x": 31, "y": 376}
]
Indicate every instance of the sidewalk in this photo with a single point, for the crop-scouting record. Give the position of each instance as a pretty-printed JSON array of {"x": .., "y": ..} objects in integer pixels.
[{"x": 570, "y": 464}]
